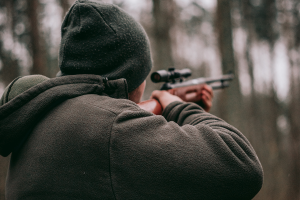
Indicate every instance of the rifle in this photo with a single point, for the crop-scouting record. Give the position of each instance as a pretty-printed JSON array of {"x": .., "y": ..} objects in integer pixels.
[{"x": 187, "y": 90}]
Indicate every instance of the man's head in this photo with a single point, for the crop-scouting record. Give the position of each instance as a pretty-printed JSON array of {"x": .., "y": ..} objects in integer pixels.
[{"x": 102, "y": 39}]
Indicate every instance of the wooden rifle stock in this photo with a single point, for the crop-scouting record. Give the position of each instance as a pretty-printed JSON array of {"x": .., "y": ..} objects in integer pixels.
[{"x": 188, "y": 91}]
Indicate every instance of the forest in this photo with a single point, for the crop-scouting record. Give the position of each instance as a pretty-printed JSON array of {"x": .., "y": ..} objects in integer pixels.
[{"x": 259, "y": 40}]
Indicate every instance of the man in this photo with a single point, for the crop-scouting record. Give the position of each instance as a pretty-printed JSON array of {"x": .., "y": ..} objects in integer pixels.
[{"x": 79, "y": 137}]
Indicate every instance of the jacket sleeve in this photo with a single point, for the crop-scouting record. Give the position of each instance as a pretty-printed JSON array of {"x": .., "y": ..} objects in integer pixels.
[{"x": 185, "y": 154}]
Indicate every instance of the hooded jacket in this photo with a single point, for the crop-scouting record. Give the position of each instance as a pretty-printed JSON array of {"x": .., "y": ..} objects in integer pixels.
[{"x": 79, "y": 137}]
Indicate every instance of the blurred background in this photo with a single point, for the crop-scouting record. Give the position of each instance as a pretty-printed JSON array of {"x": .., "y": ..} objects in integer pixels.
[{"x": 257, "y": 39}]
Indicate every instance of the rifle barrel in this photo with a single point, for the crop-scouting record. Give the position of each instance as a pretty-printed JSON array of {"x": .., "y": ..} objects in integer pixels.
[{"x": 223, "y": 79}]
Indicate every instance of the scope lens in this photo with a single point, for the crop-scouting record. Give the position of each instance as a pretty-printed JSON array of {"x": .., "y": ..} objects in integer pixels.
[
  {"x": 171, "y": 75},
  {"x": 155, "y": 77}
]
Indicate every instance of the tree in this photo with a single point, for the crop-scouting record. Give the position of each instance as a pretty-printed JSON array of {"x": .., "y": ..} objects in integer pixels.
[
  {"x": 230, "y": 99},
  {"x": 36, "y": 48}
]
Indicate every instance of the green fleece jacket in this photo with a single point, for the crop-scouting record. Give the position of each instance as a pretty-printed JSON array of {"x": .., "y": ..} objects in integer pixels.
[{"x": 77, "y": 137}]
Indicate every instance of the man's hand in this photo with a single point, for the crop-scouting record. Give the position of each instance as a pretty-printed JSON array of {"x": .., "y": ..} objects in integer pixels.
[
  {"x": 164, "y": 97},
  {"x": 206, "y": 94}
]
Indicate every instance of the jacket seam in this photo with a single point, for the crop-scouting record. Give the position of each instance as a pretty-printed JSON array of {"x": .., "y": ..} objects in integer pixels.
[
  {"x": 109, "y": 142},
  {"x": 100, "y": 107},
  {"x": 109, "y": 150},
  {"x": 135, "y": 108},
  {"x": 109, "y": 154}
]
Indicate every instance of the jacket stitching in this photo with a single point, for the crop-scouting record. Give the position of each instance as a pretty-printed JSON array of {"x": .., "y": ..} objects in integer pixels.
[
  {"x": 109, "y": 142},
  {"x": 109, "y": 154},
  {"x": 131, "y": 108},
  {"x": 100, "y": 107}
]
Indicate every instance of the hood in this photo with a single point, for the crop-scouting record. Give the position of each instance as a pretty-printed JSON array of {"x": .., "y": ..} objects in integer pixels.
[
  {"x": 19, "y": 115},
  {"x": 101, "y": 38}
]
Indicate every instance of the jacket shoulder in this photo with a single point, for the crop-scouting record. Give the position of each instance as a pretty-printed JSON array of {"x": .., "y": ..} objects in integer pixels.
[{"x": 113, "y": 105}]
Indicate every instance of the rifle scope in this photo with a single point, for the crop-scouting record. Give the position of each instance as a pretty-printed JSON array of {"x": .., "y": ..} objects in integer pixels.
[{"x": 171, "y": 75}]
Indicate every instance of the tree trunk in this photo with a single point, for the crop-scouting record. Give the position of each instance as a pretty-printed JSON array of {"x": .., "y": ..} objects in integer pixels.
[
  {"x": 294, "y": 109},
  {"x": 163, "y": 14},
  {"x": 65, "y": 6},
  {"x": 36, "y": 48},
  {"x": 294, "y": 147},
  {"x": 10, "y": 67},
  {"x": 231, "y": 98},
  {"x": 9, "y": 71},
  {"x": 160, "y": 33}
]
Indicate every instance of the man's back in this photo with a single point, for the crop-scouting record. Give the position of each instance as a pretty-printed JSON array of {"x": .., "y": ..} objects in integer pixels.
[
  {"x": 94, "y": 146},
  {"x": 79, "y": 137}
]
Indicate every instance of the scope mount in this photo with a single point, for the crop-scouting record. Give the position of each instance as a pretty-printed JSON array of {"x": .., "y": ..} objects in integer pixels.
[{"x": 174, "y": 75}]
